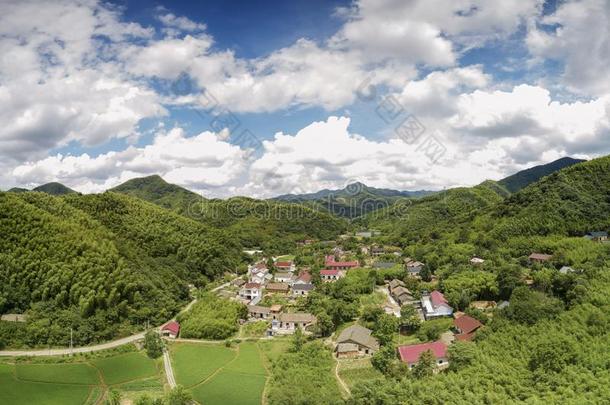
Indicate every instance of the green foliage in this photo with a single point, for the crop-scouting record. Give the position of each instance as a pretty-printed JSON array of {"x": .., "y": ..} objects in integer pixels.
[
  {"x": 461, "y": 354},
  {"x": 298, "y": 340},
  {"x": 178, "y": 396},
  {"x": 409, "y": 318},
  {"x": 212, "y": 317},
  {"x": 528, "y": 307},
  {"x": 383, "y": 358},
  {"x": 432, "y": 329},
  {"x": 385, "y": 328},
  {"x": 425, "y": 366},
  {"x": 153, "y": 344}
]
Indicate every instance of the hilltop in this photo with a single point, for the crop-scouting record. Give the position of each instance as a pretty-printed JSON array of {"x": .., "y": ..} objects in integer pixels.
[{"x": 526, "y": 177}]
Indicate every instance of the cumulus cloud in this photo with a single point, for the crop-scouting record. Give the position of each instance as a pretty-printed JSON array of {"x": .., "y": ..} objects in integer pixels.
[
  {"x": 577, "y": 34},
  {"x": 201, "y": 163}
]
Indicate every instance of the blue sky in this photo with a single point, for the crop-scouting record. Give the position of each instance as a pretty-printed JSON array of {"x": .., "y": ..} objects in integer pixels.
[{"x": 97, "y": 93}]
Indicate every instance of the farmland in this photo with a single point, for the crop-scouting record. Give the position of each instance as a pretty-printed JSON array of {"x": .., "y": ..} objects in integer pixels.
[{"x": 77, "y": 381}]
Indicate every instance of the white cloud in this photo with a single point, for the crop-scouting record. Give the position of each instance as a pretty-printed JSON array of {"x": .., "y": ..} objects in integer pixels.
[
  {"x": 578, "y": 35},
  {"x": 201, "y": 163}
]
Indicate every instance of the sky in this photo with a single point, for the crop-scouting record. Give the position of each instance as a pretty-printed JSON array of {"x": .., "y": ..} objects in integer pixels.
[{"x": 274, "y": 97}]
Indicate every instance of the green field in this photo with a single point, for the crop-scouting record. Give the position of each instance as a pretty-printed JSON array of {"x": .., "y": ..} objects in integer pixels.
[
  {"x": 125, "y": 367},
  {"x": 16, "y": 392},
  {"x": 75, "y": 373},
  {"x": 220, "y": 375},
  {"x": 194, "y": 362},
  {"x": 355, "y": 371}
]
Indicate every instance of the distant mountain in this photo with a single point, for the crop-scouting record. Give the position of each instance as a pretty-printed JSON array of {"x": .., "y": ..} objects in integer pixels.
[
  {"x": 18, "y": 190},
  {"x": 353, "y": 201},
  {"x": 271, "y": 225},
  {"x": 156, "y": 190},
  {"x": 526, "y": 177},
  {"x": 54, "y": 189}
]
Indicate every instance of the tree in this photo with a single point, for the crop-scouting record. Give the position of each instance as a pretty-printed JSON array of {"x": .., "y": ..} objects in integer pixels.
[
  {"x": 153, "y": 344},
  {"x": 114, "y": 398},
  {"x": 297, "y": 340},
  {"x": 461, "y": 354},
  {"x": 385, "y": 328},
  {"x": 425, "y": 366},
  {"x": 324, "y": 326},
  {"x": 383, "y": 358},
  {"x": 178, "y": 396},
  {"x": 409, "y": 318}
]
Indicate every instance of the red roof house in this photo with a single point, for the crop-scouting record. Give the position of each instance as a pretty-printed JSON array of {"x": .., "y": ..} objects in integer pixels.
[
  {"x": 283, "y": 265},
  {"x": 410, "y": 353},
  {"x": 333, "y": 265},
  {"x": 328, "y": 272},
  {"x": 466, "y": 326},
  {"x": 438, "y": 298},
  {"x": 305, "y": 277},
  {"x": 171, "y": 329}
]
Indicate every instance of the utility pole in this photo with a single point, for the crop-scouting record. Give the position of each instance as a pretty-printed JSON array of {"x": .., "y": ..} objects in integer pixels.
[{"x": 71, "y": 343}]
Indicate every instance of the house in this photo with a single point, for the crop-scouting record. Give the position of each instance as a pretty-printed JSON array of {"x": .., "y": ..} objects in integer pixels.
[
  {"x": 356, "y": 341},
  {"x": 483, "y": 305},
  {"x": 260, "y": 275},
  {"x": 466, "y": 326},
  {"x": 302, "y": 290},
  {"x": 539, "y": 257},
  {"x": 14, "y": 318},
  {"x": 287, "y": 278},
  {"x": 329, "y": 276},
  {"x": 275, "y": 311},
  {"x": 303, "y": 278},
  {"x": 256, "y": 267},
  {"x": 331, "y": 264},
  {"x": 251, "y": 291},
  {"x": 258, "y": 312},
  {"x": 413, "y": 267},
  {"x": 410, "y": 354},
  {"x": 476, "y": 261},
  {"x": 277, "y": 288},
  {"x": 377, "y": 251},
  {"x": 170, "y": 330},
  {"x": 287, "y": 323},
  {"x": 597, "y": 236},
  {"x": 566, "y": 270},
  {"x": 383, "y": 265},
  {"x": 435, "y": 305},
  {"x": 238, "y": 282},
  {"x": 285, "y": 266},
  {"x": 402, "y": 295},
  {"x": 395, "y": 283}
]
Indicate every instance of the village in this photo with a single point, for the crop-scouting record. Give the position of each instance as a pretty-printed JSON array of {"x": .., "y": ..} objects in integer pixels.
[{"x": 275, "y": 291}]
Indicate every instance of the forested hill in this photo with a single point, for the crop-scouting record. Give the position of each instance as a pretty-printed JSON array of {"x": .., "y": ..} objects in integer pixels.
[
  {"x": 526, "y": 177},
  {"x": 353, "y": 201},
  {"x": 572, "y": 201},
  {"x": 54, "y": 189},
  {"x": 101, "y": 264},
  {"x": 271, "y": 225}
]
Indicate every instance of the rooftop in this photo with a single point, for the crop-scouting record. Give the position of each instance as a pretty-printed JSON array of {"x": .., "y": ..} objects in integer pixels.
[{"x": 410, "y": 353}]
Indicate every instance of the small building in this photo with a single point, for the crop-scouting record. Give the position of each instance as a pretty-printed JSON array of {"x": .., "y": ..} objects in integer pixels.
[
  {"x": 251, "y": 291},
  {"x": 275, "y": 311},
  {"x": 483, "y": 305},
  {"x": 238, "y": 282},
  {"x": 413, "y": 267},
  {"x": 410, "y": 354},
  {"x": 435, "y": 305},
  {"x": 285, "y": 266},
  {"x": 287, "y": 323},
  {"x": 287, "y": 278},
  {"x": 597, "y": 236},
  {"x": 170, "y": 330},
  {"x": 303, "y": 278},
  {"x": 539, "y": 257},
  {"x": 329, "y": 276},
  {"x": 402, "y": 295},
  {"x": 302, "y": 290},
  {"x": 259, "y": 312},
  {"x": 331, "y": 264},
  {"x": 466, "y": 326},
  {"x": 277, "y": 288},
  {"x": 356, "y": 341},
  {"x": 476, "y": 261},
  {"x": 395, "y": 283}
]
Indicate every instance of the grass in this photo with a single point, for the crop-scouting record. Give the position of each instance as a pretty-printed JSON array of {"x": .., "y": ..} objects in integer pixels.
[
  {"x": 15, "y": 392},
  {"x": 272, "y": 349},
  {"x": 195, "y": 362},
  {"x": 285, "y": 258},
  {"x": 126, "y": 367},
  {"x": 246, "y": 369},
  {"x": 355, "y": 371},
  {"x": 254, "y": 329},
  {"x": 67, "y": 373},
  {"x": 231, "y": 387}
]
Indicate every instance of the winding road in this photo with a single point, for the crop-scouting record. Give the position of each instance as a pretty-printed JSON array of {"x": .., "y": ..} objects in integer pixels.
[{"x": 95, "y": 348}]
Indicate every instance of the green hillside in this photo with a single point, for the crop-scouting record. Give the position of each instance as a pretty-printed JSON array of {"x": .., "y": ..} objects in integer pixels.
[
  {"x": 54, "y": 189},
  {"x": 271, "y": 225},
  {"x": 523, "y": 178},
  {"x": 101, "y": 264}
]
